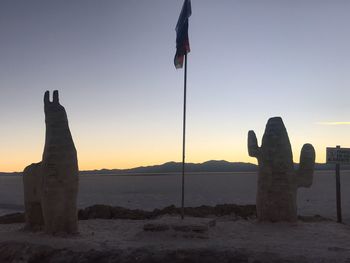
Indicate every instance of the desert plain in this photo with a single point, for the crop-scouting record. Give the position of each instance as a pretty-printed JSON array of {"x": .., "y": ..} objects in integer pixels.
[{"x": 232, "y": 239}]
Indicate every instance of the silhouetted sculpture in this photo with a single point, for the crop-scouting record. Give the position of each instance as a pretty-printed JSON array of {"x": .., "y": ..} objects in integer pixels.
[
  {"x": 55, "y": 179},
  {"x": 277, "y": 180}
]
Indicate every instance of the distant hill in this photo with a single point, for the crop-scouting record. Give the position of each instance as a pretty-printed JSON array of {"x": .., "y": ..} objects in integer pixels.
[
  {"x": 209, "y": 166},
  {"x": 9, "y": 174},
  {"x": 175, "y": 167}
]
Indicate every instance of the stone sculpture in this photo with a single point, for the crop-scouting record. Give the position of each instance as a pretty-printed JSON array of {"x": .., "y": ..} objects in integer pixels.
[
  {"x": 277, "y": 180},
  {"x": 32, "y": 182},
  {"x": 53, "y": 183}
]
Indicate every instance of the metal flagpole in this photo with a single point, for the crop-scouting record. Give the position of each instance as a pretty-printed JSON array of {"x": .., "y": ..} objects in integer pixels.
[
  {"x": 184, "y": 142},
  {"x": 338, "y": 193}
]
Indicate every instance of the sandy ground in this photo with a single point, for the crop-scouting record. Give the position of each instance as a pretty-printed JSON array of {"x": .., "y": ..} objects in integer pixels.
[
  {"x": 149, "y": 192},
  {"x": 315, "y": 242}
]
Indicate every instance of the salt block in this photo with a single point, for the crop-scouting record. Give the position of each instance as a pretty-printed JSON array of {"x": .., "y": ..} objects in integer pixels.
[{"x": 186, "y": 225}]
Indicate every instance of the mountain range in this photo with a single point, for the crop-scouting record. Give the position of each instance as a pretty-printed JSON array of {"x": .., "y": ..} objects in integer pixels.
[
  {"x": 212, "y": 166},
  {"x": 176, "y": 167}
]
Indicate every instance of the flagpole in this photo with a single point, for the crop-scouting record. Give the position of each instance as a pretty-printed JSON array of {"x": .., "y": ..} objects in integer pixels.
[{"x": 184, "y": 142}]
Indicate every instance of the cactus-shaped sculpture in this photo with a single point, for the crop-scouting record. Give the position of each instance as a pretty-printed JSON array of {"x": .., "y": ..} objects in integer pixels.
[
  {"x": 54, "y": 181},
  {"x": 277, "y": 180}
]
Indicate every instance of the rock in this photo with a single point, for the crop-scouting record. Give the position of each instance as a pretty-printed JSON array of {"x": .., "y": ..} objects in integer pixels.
[
  {"x": 124, "y": 213},
  {"x": 96, "y": 211},
  {"x": 107, "y": 212},
  {"x": 277, "y": 180},
  {"x": 155, "y": 227},
  {"x": 12, "y": 218},
  {"x": 191, "y": 228},
  {"x": 313, "y": 219},
  {"x": 176, "y": 224}
]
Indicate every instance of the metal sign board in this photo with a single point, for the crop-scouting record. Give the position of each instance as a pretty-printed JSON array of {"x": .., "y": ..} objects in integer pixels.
[{"x": 338, "y": 155}]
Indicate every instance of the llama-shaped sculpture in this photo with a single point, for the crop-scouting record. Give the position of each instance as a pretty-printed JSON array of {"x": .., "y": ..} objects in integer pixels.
[
  {"x": 277, "y": 180},
  {"x": 55, "y": 180}
]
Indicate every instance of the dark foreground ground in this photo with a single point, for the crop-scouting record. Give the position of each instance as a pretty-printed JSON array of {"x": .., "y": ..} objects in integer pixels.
[{"x": 25, "y": 252}]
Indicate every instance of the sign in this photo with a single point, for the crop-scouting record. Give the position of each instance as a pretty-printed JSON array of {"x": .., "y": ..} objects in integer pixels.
[{"x": 338, "y": 155}]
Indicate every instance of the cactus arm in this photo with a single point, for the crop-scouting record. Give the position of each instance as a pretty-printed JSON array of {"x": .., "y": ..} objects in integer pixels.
[
  {"x": 253, "y": 148},
  {"x": 306, "y": 166}
]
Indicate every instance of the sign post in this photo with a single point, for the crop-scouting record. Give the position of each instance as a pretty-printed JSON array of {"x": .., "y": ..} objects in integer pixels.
[
  {"x": 338, "y": 156},
  {"x": 338, "y": 192}
]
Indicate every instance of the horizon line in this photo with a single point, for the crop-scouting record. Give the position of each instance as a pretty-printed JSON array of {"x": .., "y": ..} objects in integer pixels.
[{"x": 143, "y": 166}]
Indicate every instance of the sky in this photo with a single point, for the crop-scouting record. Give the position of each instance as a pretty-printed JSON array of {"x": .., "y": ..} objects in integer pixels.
[{"x": 112, "y": 62}]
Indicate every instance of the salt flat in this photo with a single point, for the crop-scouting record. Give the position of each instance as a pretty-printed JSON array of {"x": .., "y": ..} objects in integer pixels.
[{"x": 157, "y": 191}]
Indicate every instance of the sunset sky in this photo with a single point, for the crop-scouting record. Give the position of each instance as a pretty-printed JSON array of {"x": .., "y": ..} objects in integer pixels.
[{"x": 112, "y": 61}]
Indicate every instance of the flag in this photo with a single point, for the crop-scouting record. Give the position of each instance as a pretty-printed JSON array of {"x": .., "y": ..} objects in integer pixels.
[{"x": 182, "y": 41}]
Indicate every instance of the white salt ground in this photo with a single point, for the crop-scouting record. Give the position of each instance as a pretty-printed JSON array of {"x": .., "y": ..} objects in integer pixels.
[
  {"x": 322, "y": 241},
  {"x": 150, "y": 192}
]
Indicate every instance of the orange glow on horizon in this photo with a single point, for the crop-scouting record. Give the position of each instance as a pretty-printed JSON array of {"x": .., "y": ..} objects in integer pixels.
[
  {"x": 134, "y": 151},
  {"x": 106, "y": 162}
]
